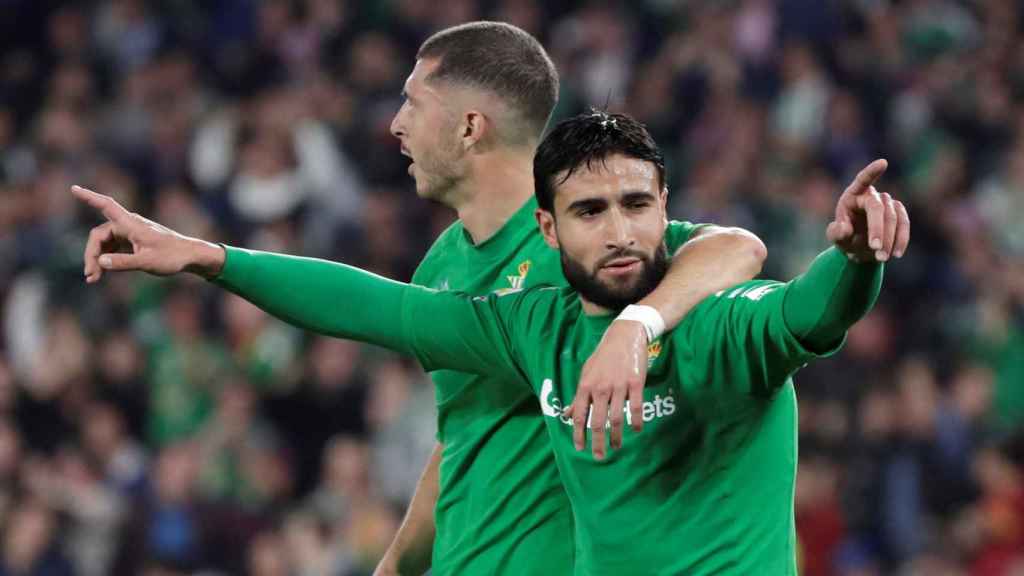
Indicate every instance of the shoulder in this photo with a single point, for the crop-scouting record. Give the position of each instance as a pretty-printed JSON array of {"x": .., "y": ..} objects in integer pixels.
[
  {"x": 545, "y": 269},
  {"x": 678, "y": 232},
  {"x": 733, "y": 307},
  {"x": 434, "y": 259},
  {"x": 751, "y": 290},
  {"x": 742, "y": 294},
  {"x": 536, "y": 306},
  {"x": 545, "y": 296}
]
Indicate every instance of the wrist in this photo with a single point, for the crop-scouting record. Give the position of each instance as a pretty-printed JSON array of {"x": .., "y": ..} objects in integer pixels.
[
  {"x": 206, "y": 259},
  {"x": 648, "y": 317}
]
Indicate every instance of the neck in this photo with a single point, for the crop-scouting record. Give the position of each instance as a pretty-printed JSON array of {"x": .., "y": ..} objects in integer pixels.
[
  {"x": 498, "y": 186},
  {"x": 591, "y": 309}
]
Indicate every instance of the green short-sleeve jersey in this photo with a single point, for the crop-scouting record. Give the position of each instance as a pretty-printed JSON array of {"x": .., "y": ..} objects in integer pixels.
[
  {"x": 707, "y": 486},
  {"x": 501, "y": 508}
]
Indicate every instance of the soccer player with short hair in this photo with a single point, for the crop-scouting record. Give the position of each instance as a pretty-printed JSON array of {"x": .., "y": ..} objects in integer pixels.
[
  {"x": 477, "y": 102},
  {"x": 707, "y": 486}
]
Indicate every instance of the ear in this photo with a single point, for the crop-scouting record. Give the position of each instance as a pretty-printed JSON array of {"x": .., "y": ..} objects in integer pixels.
[
  {"x": 473, "y": 128},
  {"x": 546, "y": 223},
  {"x": 663, "y": 201}
]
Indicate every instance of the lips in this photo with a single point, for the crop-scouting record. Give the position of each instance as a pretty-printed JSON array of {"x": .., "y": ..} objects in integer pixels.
[
  {"x": 407, "y": 154},
  {"x": 623, "y": 267},
  {"x": 623, "y": 262}
]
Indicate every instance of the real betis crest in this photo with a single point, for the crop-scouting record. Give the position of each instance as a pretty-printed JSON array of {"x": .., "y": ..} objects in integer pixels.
[
  {"x": 516, "y": 281},
  {"x": 653, "y": 351}
]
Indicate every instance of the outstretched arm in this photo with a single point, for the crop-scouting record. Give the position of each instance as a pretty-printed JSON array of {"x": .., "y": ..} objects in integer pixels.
[
  {"x": 754, "y": 336},
  {"x": 834, "y": 293},
  {"x": 842, "y": 284},
  {"x": 757, "y": 334},
  {"x": 442, "y": 329}
]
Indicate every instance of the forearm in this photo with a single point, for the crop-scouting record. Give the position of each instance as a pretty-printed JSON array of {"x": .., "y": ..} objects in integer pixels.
[
  {"x": 834, "y": 293},
  {"x": 320, "y": 296},
  {"x": 712, "y": 261},
  {"x": 410, "y": 551},
  {"x": 441, "y": 329}
]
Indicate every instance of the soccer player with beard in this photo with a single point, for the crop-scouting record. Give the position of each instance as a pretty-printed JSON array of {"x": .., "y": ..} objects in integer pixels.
[
  {"x": 707, "y": 486},
  {"x": 476, "y": 104}
]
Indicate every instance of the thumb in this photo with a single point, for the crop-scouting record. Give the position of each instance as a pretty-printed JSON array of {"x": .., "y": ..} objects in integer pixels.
[
  {"x": 838, "y": 231},
  {"x": 120, "y": 262}
]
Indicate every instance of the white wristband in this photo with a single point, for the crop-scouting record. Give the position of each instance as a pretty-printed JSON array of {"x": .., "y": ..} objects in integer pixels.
[{"x": 648, "y": 317}]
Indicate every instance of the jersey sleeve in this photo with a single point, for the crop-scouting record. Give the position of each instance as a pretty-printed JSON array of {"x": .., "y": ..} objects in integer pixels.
[
  {"x": 441, "y": 329},
  {"x": 456, "y": 331},
  {"x": 740, "y": 340},
  {"x": 678, "y": 233}
]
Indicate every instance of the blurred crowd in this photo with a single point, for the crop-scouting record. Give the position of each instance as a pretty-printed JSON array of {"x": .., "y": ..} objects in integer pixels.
[{"x": 163, "y": 427}]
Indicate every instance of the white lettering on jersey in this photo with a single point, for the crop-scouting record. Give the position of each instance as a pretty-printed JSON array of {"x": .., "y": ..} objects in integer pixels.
[{"x": 659, "y": 407}]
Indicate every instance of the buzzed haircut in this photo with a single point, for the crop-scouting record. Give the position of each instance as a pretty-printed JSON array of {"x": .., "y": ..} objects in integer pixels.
[
  {"x": 503, "y": 60},
  {"x": 585, "y": 139}
]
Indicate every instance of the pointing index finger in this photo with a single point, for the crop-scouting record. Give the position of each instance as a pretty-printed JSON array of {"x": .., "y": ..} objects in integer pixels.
[
  {"x": 867, "y": 177},
  {"x": 109, "y": 207}
]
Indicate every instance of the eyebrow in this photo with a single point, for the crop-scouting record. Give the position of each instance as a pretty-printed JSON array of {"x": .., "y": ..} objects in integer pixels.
[
  {"x": 634, "y": 195},
  {"x": 585, "y": 204},
  {"x": 593, "y": 203}
]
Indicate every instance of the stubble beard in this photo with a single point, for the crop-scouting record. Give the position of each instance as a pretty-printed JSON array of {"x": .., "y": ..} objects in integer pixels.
[
  {"x": 440, "y": 173},
  {"x": 616, "y": 298}
]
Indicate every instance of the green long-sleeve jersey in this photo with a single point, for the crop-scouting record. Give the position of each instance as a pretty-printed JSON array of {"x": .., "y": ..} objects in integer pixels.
[
  {"x": 707, "y": 486},
  {"x": 501, "y": 508}
]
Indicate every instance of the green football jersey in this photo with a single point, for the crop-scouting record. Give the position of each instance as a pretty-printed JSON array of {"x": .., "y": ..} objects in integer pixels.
[
  {"x": 707, "y": 486},
  {"x": 501, "y": 507}
]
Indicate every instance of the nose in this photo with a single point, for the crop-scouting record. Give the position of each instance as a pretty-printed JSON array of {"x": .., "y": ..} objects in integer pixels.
[
  {"x": 396, "y": 124},
  {"x": 620, "y": 233}
]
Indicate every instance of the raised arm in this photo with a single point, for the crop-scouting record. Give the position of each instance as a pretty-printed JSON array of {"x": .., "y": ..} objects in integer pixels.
[
  {"x": 748, "y": 340},
  {"x": 834, "y": 293},
  {"x": 757, "y": 334},
  {"x": 841, "y": 285}
]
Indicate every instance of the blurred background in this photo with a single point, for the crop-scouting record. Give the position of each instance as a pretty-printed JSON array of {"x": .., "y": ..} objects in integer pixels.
[{"x": 163, "y": 427}]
